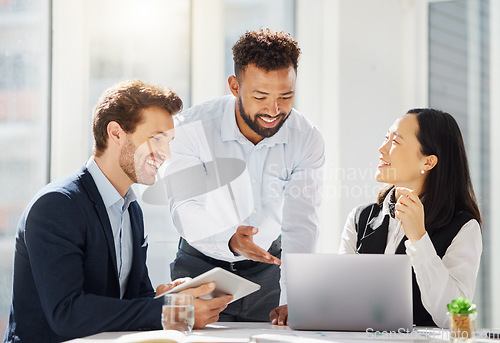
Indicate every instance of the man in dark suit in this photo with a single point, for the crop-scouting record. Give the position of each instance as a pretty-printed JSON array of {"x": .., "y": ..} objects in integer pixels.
[{"x": 80, "y": 258}]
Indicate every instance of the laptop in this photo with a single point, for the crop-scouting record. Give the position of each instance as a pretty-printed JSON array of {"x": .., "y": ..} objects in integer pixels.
[{"x": 354, "y": 292}]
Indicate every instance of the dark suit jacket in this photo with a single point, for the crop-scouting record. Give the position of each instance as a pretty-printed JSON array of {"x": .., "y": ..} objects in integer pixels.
[{"x": 65, "y": 274}]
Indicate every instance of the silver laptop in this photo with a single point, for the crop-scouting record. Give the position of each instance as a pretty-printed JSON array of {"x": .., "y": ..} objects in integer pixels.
[{"x": 349, "y": 292}]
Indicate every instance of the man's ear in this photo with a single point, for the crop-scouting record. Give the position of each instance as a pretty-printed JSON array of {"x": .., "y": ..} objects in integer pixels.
[
  {"x": 430, "y": 162},
  {"x": 234, "y": 86},
  {"x": 115, "y": 133}
]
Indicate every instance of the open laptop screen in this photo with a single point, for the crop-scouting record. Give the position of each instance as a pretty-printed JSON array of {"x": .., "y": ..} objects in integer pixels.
[{"x": 349, "y": 292}]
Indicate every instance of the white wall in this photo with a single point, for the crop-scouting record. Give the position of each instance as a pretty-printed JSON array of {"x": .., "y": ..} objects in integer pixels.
[
  {"x": 495, "y": 157},
  {"x": 317, "y": 97},
  {"x": 363, "y": 65}
]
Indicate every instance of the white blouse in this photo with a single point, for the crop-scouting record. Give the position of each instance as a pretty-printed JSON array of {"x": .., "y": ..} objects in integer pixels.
[{"x": 440, "y": 280}]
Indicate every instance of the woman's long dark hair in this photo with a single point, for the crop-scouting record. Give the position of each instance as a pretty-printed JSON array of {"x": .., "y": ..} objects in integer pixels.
[{"x": 447, "y": 189}]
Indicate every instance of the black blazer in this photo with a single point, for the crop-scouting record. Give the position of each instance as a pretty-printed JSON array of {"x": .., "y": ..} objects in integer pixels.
[
  {"x": 65, "y": 274},
  {"x": 372, "y": 240}
]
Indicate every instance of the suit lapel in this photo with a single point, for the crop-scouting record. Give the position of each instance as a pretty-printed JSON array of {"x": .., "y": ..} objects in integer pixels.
[
  {"x": 402, "y": 247},
  {"x": 94, "y": 195},
  {"x": 374, "y": 239},
  {"x": 137, "y": 263}
]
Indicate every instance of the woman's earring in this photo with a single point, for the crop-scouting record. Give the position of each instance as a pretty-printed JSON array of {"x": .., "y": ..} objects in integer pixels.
[{"x": 422, "y": 172}]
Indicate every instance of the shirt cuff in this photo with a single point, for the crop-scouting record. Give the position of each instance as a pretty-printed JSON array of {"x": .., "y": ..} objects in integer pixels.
[
  {"x": 222, "y": 251},
  {"x": 421, "y": 251}
]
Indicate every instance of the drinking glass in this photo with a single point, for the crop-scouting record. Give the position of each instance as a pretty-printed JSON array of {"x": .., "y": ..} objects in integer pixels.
[{"x": 178, "y": 312}]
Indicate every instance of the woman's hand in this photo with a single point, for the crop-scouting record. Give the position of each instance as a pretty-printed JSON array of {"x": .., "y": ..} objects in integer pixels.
[
  {"x": 279, "y": 316},
  {"x": 410, "y": 210}
]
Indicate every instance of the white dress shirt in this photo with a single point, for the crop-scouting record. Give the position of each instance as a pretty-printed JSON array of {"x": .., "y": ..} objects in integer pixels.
[
  {"x": 119, "y": 218},
  {"x": 440, "y": 280},
  {"x": 218, "y": 180}
]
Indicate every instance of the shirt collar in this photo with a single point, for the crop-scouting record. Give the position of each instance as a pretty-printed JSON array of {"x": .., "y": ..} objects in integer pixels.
[
  {"x": 387, "y": 200},
  {"x": 231, "y": 132},
  {"x": 108, "y": 192},
  {"x": 229, "y": 129}
]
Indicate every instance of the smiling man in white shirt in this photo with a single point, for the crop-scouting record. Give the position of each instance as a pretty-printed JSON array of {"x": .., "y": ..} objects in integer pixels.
[{"x": 245, "y": 175}]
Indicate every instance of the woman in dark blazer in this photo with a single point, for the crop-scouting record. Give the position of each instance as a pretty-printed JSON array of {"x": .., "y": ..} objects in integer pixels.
[{"x": 428, "y": 210}]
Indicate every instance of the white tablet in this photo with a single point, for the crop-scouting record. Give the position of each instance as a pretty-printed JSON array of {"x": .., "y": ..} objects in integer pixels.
[{"x": 225, "y": 283}]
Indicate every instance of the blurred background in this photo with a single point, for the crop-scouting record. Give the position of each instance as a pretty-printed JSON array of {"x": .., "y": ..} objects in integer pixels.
[{"x": 363, "y": 64}]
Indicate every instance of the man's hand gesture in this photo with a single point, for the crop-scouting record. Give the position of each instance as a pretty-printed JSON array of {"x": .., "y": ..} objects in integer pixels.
[{"x": 242, "y": 243}]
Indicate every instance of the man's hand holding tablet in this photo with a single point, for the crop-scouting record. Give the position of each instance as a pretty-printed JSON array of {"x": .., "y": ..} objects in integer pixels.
[
  {"x": 212, "y": 291},
  {"x": 206, "y": 311}
]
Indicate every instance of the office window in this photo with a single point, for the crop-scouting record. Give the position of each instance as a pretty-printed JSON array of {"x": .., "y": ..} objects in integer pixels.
[
  {"x": 459, "y": 84},
  {"x": 24, "y": 104},
  {"x": 149, "y": 40}
]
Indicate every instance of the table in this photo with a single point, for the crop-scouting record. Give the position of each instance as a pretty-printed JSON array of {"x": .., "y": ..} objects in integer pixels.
[{"x": 268, "y": 333}]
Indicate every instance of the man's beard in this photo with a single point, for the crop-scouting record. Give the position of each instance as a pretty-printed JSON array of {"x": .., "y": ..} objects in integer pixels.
[
  {"x": 256, "y": 127},
  {"x": 127, "y": 160}
]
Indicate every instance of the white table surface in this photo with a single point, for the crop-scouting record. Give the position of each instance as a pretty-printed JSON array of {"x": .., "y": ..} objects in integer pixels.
[{"x": 268, "y": 333}]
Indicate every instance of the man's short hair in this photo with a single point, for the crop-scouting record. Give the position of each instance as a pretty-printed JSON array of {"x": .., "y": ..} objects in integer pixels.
[
  {"x": 268, "y": 50},
  {"x": 123, "y": 103}
]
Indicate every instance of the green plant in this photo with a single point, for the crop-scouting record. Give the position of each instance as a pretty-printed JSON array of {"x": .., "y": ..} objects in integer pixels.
[{"x": 461, "y": 306}]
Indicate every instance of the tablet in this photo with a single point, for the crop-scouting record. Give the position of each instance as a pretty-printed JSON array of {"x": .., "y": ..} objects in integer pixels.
[{"x": 225, "y": 283}]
